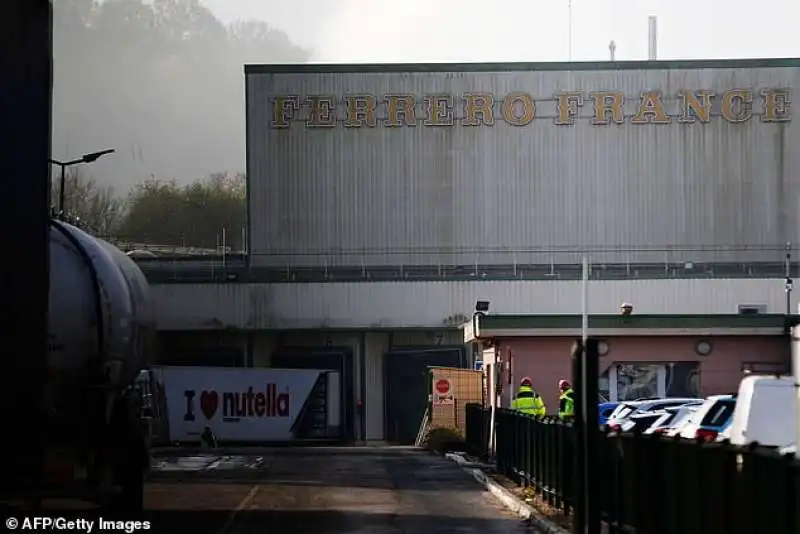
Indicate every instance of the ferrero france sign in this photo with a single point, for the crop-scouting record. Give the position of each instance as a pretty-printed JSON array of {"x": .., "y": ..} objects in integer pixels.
[{"x": 519, "y": 109}]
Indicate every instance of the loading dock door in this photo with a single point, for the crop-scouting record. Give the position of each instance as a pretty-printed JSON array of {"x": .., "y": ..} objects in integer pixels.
[
  {"x": 407, "y": 383},
  {"x": 202, "y": 357},
  {"x": 339, "y": 359}
]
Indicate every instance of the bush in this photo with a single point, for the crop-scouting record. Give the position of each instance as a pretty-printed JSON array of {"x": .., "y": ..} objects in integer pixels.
[{"x": 442, "y": 439}]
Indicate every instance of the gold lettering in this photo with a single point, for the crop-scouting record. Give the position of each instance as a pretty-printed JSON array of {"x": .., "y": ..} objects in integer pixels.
[
  {"x": 320, "y": 114},
  {"x": 479, "y": 109},
  {"x": 606, "y": 102},
  {"x": 695, "y": 105},
  {"x": 737, "y": 105},
  {"x": 567, "y": 106},
  {"x": 283, "y": 109},
  {"x": 439, "y": 110},
  {"x": 397, "y": 107},
  {"x": 519, "y": 108},
  {"x": 360, "y": 111},
  {"x": 651, "y": 110},
  {"x": 521, "y": 117},
  {"x": 777, "y": 105}
]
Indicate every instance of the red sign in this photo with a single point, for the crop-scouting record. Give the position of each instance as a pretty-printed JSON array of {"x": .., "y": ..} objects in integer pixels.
[{"x": 443, "y": 387}]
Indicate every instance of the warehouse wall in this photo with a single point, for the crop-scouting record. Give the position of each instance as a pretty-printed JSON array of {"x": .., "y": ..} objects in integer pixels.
[
  {"x": 663, "y": 171},
  {"x": 441, "y": 305}
]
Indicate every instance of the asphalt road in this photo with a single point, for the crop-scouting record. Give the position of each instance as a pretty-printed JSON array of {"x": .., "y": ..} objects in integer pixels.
[{"x": 369, "y": 490}]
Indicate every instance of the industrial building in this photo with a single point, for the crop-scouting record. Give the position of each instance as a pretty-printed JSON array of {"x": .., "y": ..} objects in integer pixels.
[
  {"x": 384, "y": 200},
  {"x": 641, "y": 356}
]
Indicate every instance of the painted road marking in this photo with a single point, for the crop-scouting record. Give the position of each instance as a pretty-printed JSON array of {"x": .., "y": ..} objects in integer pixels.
[
  {"x": 241, "y": 506},
  {"x": 214, "y": 464},
  {"x": 209, "y": 463}
]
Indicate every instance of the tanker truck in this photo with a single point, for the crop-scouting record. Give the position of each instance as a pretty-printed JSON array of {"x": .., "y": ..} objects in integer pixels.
[{"x": 101, "y": 337}]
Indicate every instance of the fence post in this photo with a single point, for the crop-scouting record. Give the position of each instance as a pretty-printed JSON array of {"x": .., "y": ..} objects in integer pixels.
[
  {"x": 577, "y": 438},
  {"x": 587, "y": 397}
]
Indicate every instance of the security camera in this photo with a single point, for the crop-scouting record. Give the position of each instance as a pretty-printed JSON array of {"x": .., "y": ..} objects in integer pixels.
[{"x": 626, "y": 308}]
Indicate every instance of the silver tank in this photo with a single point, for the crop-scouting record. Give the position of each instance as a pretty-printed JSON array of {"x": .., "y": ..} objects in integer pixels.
[{"x": 93, "y": 284}]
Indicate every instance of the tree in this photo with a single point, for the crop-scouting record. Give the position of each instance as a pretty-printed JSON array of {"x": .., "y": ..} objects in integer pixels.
[
  {"x": 160, "y": 80},
  {"x": 200, "y": 215},
  {"x": 95, "y": 205}
]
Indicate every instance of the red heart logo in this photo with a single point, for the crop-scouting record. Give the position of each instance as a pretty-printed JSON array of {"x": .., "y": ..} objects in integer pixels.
[{"x": 208, "y": 403}]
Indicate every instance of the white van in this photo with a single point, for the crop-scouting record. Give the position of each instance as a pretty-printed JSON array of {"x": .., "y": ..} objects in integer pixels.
[{"x": 766, "y": 412}]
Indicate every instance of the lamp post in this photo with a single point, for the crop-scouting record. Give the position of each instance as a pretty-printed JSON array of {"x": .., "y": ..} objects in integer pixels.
[
  {"x": 86, "y": 158},
  {"x": 789, "y": 283}
]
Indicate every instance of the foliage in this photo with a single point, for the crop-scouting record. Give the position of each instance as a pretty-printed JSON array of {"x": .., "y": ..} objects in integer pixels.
[
  {"x": 443, "y": 439},
  {"x": 158, "y": 80},
  {"x": 159, "y": 213},
  {"x": 200, "y": 214},
  {"x": 94, "y": 205}
]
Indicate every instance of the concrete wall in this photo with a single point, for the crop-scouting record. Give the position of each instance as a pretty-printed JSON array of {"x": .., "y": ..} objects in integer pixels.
[
  {"x": 547, "y": 360},
  {"x": 440, "y": 305}
]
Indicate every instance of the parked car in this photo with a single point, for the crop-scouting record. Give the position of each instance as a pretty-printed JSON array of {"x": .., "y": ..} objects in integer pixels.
[
  {"x": 640, "y": 421},
  {"x": 673, "y": 418},
  {"x": 626, "y": 409},
  {"x": 606, "y": 409},
  {"x": 710, "y": 419},
  {"x": 717, "y": 421},
  {"x": 677, "y": 427}
]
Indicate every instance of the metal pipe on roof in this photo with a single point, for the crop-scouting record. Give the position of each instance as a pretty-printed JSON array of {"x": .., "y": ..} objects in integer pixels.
[{"x": 652, "y": 34}]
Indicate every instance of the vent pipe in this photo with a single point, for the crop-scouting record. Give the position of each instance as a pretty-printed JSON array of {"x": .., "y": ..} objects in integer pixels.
[
  {"x": 652, "y": 49},
  {"x": 612, "y": 48}
]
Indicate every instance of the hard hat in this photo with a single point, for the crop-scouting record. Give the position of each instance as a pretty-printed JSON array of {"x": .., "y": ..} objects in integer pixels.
[
  {"x": 563, "y": 384},
  {"x": 526, "y": 381}
]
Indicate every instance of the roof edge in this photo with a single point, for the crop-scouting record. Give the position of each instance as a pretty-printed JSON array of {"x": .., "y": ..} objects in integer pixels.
[{"x": 543, "y": 66}]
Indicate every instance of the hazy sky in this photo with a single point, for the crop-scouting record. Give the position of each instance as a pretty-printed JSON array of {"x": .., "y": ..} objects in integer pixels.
[
  {"x": 525, "y": 30},
  {"x": 190, "y": 130}
]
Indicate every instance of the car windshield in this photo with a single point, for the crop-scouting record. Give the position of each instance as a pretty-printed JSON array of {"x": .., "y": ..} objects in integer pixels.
[
  {"x": 720, "y": 413},
  {"x": 667, "y": 418},
  {"x": 642, "y": 422},
  {"x": 624, "y": 410},
  {"x": 682, "y": 417},
  {"x": 671, "y": 404}
]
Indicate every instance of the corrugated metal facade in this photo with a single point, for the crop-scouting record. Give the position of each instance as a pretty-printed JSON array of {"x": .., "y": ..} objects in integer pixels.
[
  {"x": 450, "y": 195},
  {"x": 385, "y": 305}
]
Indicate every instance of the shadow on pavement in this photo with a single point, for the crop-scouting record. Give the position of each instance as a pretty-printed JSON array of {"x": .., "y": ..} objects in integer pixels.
[
  {"x": 325, "y": 522},
  {"x": 399, "y": 474}
]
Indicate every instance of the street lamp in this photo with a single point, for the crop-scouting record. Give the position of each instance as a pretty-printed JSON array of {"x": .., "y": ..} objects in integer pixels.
[
  {"x": 789, "y": 283},
  {"x": 86, "y": 158}
]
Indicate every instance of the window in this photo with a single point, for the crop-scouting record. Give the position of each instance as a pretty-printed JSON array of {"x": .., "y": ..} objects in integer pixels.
[
  {"x": 719, "y": 413},
  {"x": 662, "y": 405},
  {"x": 765, "y": 368},
  {"x": 623, "y": 410},
  {"x": 752, "y": 309},
  {"x": 644, "y": 422},
  {"x": 669, "y": 418}
]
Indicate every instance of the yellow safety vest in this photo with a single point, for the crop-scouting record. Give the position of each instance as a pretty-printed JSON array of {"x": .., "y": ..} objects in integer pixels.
[
  {"x": 529, "y": 402},
  {"x": 566, "y": 404}
]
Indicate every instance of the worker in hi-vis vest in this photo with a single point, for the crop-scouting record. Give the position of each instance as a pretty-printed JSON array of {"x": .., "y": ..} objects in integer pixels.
[
  {"x": 527, "y": 400},
  {"x": 566, "y": 401}
]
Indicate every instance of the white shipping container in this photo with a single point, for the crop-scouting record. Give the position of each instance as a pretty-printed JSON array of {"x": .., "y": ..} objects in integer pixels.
[{"x": 240, "y": 405}]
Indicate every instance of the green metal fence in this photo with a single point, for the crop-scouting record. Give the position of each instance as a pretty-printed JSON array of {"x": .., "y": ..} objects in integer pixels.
[{"x": 650, "y": 484}]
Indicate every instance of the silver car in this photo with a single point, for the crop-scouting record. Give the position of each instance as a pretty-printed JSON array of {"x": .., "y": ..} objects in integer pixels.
[{"x": 628, "y": 408}]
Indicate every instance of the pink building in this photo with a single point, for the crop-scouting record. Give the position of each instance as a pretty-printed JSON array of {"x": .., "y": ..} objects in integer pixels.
[{"x": 641, "y": 355}]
